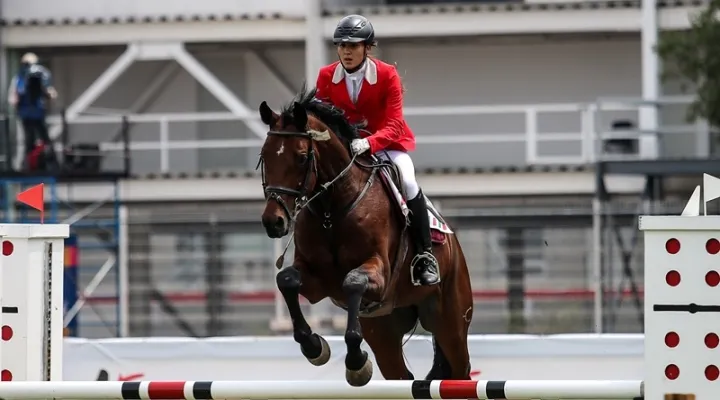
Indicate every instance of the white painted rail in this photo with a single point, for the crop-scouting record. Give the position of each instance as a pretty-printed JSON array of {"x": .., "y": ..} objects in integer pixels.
[{"x": 249, "y": 390}]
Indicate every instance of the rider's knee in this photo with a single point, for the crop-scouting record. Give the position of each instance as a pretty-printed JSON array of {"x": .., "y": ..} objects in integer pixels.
[
  {"x": 288, "y": 278},
  {"x": 412, "y": 189}
]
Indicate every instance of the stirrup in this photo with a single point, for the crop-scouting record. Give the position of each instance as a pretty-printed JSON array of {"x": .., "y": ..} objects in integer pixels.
[
  {"x": 430, "y": 265},
  {"x": 425, "y": 255}
]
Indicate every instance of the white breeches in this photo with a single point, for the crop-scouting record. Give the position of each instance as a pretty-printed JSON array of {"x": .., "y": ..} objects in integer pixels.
[{"x": 407, "y": 169}]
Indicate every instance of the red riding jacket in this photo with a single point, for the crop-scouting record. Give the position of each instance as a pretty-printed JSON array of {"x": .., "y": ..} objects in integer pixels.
[{"x": 380, "y": 102}]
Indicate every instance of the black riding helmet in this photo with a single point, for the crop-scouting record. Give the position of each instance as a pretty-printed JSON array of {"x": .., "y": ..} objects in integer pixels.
[{"x": 354, "y": 29}]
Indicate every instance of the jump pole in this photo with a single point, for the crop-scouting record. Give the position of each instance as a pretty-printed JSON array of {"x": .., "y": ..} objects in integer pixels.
[
  {"x": 682, "y": 275},
  {"x": 31, "y": 296}
]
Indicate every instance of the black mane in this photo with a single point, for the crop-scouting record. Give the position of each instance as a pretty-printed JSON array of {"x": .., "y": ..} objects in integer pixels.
[{"x": 328, "y": 114}]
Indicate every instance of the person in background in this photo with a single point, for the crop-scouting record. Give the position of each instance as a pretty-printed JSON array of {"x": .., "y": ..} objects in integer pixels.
[{"x": 29, "y": 93}]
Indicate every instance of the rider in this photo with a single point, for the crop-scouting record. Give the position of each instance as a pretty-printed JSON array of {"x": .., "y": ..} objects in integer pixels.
[{"x": 372, "y": 96}]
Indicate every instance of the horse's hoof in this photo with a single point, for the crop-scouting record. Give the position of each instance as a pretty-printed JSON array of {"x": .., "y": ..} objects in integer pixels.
[
  {"x": 324, "y": 356},
  {"x": 360, "y": 377}
]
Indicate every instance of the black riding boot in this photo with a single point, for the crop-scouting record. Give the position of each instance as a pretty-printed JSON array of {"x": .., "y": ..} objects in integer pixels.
[{"x": 424, "y": 265}]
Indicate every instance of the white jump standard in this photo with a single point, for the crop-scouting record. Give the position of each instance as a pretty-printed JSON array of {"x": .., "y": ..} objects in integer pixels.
[
  {"x": 682, "y": 299},
  {"x": 31, "y": 296}
]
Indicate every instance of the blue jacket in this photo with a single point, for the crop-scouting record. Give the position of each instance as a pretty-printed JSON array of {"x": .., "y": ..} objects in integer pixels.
[{"x": 27, "y": 106}]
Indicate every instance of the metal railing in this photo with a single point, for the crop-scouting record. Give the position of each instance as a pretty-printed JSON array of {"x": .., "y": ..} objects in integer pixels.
[{"x": 579, "y": 145}]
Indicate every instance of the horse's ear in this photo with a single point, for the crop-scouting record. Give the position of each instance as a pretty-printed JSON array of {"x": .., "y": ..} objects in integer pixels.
[
  {"x": 267, "y": 115},
  {"x": 300, "y": 118}
]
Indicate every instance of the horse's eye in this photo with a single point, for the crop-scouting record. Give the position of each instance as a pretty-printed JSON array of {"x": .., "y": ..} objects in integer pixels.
[{"x": 302, "y": 159}]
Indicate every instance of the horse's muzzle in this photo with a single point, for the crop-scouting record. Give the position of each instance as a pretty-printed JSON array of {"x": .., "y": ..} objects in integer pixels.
[{"x": 276, "y": 225}]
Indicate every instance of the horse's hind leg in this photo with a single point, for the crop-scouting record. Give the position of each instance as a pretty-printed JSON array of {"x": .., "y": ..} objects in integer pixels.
[
  {"x": 289, "y": 282},
  {"x": 451, "y": 337},
  {"x": 384, "y": 335},
  {"x": 453, "y": 319},
  {"x": 440, "y": 366}
]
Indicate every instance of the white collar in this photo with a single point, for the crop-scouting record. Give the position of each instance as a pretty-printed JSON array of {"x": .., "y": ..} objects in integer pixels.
[
  {"x": 357, "y": 74},
  {"x": 370, "y": 72}
]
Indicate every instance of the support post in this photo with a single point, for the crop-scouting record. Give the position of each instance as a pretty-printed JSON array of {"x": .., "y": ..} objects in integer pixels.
[
  {"x": 515, "y": 275},
  {"x": 123, "y": 263},
  {"x": 31, "y": 296},
  {"x": 315, "y": 54},
  {"x": 649, "y": 141},
  {"x": 16, "y": 142},
  {"x": 596, "y": 275}
]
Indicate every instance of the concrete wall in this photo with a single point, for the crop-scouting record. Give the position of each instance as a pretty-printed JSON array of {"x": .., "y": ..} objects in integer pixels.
[{"x": 498, "y": 71}]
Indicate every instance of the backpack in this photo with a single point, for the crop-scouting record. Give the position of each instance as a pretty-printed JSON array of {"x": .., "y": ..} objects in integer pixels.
[{"x": 32, "y": 86}]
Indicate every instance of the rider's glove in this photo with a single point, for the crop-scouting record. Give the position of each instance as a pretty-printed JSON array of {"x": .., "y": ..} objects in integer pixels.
[{"x": 360, "y": 146}]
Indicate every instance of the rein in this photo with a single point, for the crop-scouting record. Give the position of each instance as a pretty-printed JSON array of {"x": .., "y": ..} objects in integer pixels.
[{"x": 273, "y": 192}]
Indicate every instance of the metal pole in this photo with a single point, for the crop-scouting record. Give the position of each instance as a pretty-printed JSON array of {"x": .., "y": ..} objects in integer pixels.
[
  {"x": 596, "y": 275},
  {"x": 649, "y": 146},
  {"x": 597, "y": 228},
  {"x": 123, "y": 273},
  {"x": 315, "y": 51}
]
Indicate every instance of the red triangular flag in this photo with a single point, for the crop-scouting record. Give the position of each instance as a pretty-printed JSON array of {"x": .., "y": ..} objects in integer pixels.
[{"x": 35, "y": 198}]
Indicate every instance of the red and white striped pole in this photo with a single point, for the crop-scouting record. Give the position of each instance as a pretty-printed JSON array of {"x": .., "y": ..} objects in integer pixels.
[{"x": 266, "y": 390}]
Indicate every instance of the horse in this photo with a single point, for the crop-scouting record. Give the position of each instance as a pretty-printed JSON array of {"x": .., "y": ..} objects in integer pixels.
[{"x": 351, "y": 245}]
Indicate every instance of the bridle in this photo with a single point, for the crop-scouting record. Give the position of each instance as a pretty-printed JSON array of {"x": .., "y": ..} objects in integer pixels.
[{"x": 273, "y": 192}]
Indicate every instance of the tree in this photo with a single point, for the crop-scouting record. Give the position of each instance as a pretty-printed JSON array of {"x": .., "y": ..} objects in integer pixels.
[{"x": 693, "y": 57}]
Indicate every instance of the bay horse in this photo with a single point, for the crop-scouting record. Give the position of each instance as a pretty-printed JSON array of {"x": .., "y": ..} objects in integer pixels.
[{"x": 352, "y": 245}]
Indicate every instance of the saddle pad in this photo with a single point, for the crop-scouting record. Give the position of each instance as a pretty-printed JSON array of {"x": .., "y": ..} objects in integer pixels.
[{"x": 435, "y": 223}]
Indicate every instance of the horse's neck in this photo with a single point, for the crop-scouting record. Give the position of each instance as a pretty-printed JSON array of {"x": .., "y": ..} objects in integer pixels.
[{"x": 333, "y": 162}]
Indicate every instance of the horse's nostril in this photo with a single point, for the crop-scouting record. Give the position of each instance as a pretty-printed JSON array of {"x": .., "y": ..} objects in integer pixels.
[{"x": 280, "y": 223}]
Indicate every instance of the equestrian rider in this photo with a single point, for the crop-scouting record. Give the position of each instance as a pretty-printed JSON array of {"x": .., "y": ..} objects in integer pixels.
[{"x": 371, "y": 94}]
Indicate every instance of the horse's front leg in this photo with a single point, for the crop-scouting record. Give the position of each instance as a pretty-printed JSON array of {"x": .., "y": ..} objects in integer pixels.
[
  {"x": 293, "y": 281},
  {"x": 358, "y": 367}
]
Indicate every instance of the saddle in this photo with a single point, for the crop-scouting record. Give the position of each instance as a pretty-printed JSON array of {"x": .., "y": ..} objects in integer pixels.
[
  {"x": 391, "y": 177},
  {"x": 392, "y": 182}
]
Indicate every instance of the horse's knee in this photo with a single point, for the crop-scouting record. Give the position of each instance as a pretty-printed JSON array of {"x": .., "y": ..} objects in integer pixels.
[
  {"x": 355, "y": 282},
  {"x": 288, "y": 279}
]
